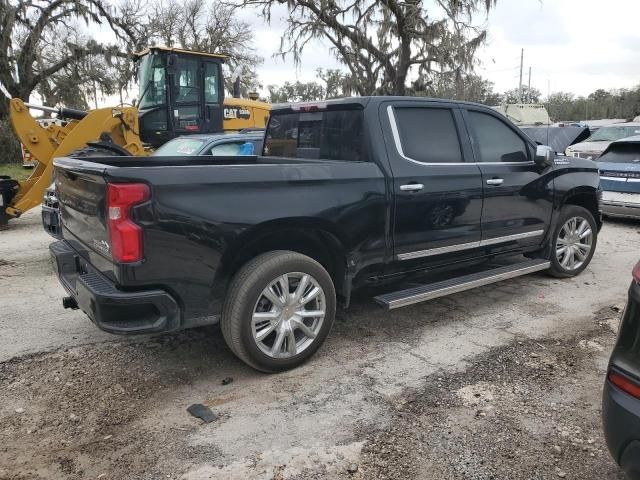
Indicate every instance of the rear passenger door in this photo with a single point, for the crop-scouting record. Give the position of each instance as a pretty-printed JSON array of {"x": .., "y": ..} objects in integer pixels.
[
  {"x": 438, "y": 195},
  {"x": 517, "y": 197}
]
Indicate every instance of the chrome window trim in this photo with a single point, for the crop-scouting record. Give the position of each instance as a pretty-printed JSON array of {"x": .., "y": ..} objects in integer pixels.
[
  {"x": 614, "y": 179},
  {"x": 398, "y": 143},
  {"x": 467, "y": 246}
]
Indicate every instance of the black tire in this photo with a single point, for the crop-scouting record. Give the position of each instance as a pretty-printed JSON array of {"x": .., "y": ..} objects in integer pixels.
[
  {"x": 569, "y": 212},
  {"x": 246, "y": 290}
]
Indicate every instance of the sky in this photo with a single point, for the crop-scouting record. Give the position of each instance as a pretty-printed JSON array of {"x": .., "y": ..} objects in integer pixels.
[{"x": 574, "y": 46}]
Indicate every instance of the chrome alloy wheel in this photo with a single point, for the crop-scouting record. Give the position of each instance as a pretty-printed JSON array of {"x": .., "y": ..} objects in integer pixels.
[
  {"x": 288, "y": 315},
  {"x": 574, "y": 243}
]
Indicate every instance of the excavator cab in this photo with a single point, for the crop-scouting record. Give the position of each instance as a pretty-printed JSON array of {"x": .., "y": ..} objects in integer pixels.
[{"x": 181, "y": 93}]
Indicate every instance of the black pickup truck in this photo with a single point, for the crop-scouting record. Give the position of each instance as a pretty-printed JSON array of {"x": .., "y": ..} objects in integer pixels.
[{"x": 348, "y": 193}]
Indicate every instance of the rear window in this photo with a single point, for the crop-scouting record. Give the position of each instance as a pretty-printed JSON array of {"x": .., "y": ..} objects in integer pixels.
[
  {"x": 331, "y": 135},
  {"x": 180, "y": 146},
  {"x": 622, "y": 153},
  {"x": 611, "y": 134}
]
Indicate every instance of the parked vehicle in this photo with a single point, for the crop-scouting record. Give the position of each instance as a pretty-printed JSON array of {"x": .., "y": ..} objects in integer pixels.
[
  {"x": 621, "y": 398},
  {"x": 246, "y": 142},
  {"x": 620, "y": 178},
  {"x": 348, "y": 193},
  {"x": 525, "y": 114},
  {"x": 559, "y": 138},
  {"x": 597, "y": 143},
  {"x": 223, "y": 144}
]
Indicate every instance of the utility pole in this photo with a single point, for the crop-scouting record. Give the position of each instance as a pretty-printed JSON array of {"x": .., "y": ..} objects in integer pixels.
[
  {"x": 520, "y": 83},
  {"x": 529, "y": 88}
]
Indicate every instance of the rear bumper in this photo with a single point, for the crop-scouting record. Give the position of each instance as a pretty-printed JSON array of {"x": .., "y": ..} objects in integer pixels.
[
  {"x": 113, "y": 310},
  {"x": 621, "y": 420}
]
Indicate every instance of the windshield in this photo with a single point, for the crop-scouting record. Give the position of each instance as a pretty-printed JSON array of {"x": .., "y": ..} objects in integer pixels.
[
  {"x": 610, "y": 134},
  {"x": 180, "y": 146},
  {"x": 151, "y": 81}
]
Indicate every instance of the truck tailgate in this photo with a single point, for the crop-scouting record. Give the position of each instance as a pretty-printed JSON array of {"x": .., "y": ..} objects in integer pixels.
[{"x": 81, "y": 189}]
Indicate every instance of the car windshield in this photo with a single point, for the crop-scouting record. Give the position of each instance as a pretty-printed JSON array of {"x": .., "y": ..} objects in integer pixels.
[
  {"x": 180, "y": 146},
  {"x": 151, "y": 80},
  {"x": 610, "y": 134}
]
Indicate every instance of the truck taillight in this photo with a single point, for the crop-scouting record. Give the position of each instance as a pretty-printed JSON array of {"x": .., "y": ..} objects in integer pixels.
[
  {"x": 124, "y": 235},
  {"x": 625, "y": 384},
  {"x": 636, "y": 272}
]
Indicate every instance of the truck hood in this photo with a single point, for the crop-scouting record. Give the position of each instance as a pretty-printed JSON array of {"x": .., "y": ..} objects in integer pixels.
[{"x": 558, "y": 138}]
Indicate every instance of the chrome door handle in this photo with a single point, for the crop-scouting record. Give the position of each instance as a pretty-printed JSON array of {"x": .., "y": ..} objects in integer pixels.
[
  {"x": 495, "y": 181},
  {"x": 411, "y": 187}
]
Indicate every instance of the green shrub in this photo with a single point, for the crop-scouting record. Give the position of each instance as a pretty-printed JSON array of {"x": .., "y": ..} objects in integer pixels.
[{"x": 10, "y": 151}]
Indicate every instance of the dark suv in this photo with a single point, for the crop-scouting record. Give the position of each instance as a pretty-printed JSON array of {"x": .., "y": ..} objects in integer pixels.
[{"x": 621, "y": 400}]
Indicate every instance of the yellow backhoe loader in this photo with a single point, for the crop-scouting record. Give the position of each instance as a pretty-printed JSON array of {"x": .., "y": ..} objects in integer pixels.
[{"x": 181, "y": 93}]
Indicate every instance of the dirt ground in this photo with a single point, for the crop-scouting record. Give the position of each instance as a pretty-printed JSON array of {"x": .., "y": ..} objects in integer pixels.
[{"x": 501, "y": 382}]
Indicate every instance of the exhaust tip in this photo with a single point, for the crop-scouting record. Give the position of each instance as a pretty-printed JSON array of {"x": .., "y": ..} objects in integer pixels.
[{"x": 70, "y": 302}]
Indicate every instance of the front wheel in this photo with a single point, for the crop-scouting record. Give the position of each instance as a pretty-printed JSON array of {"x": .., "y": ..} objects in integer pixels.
[
  {"x": 573, "y": 242},
  {"x": 278, "y": 311}
]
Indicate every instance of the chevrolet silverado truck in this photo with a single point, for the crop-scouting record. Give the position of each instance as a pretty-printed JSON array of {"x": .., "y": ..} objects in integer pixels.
[{"x": 411, "y": 198}]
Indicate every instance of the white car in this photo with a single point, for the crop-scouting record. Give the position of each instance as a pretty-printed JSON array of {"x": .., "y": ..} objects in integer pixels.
[{"x": 597, "y": 143}]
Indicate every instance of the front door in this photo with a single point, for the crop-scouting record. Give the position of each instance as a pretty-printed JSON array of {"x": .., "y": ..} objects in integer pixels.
[
  {"x": 438, "y": 196},
  {"x": 517, "y": 197}
]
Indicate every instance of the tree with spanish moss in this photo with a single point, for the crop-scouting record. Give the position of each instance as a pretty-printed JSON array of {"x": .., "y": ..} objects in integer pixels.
[
  {"x": 38, "y": 42},
  {"x": 385, "y": 43}
]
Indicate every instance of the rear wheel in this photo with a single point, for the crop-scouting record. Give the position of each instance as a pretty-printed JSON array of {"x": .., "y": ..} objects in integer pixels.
[
  {"x": 279, "y": 310},
  {"x": 573, "y": 242}
]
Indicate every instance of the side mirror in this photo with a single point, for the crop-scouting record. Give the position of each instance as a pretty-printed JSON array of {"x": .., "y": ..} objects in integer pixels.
[{"x": 544, "y": 155}]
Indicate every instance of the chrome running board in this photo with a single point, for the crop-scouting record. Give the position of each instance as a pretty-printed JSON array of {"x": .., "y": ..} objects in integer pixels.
[{"x": 402, "y": 298}]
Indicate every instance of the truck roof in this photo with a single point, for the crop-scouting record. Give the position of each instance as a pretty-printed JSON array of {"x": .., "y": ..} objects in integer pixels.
[{"x": 362, "y": 102}]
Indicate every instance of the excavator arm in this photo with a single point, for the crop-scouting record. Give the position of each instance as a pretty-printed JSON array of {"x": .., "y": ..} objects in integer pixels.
[{"x": 119, "y": 124}]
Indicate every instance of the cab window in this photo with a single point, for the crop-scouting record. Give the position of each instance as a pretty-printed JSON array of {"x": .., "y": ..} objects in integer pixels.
[
  {"x": 326, "y": 135},
  {"x": 211, "y": 82},
  {"x": 494, "y": 141},
  {"x": 185, "y": 80},
  {"x": 428, "y": 135}
]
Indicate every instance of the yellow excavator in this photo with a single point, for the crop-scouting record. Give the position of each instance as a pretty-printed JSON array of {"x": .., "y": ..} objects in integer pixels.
[{"x": 181, "y": 92}]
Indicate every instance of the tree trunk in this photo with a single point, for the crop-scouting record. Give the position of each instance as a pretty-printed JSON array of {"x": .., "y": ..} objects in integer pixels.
[{"x": 4, "y": 109}]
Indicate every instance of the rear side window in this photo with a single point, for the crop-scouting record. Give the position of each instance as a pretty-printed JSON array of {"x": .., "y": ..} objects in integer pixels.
[
  {"x": 180, "y": 146},
  {"x": 226, "y": 149},
  {"x": 428, "y": 135},
  {"x": 622, "y": 153},
  {"x": 494, "y": 141},
  {"x": 331, "y": 135}
]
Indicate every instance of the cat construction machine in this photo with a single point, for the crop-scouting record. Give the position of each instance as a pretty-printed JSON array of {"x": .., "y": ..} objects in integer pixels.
[{"x": 181, "y": 92}]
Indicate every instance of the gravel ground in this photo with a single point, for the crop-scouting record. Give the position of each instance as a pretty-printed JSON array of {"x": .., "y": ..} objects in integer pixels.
[{"x": 502, "y": 382}]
